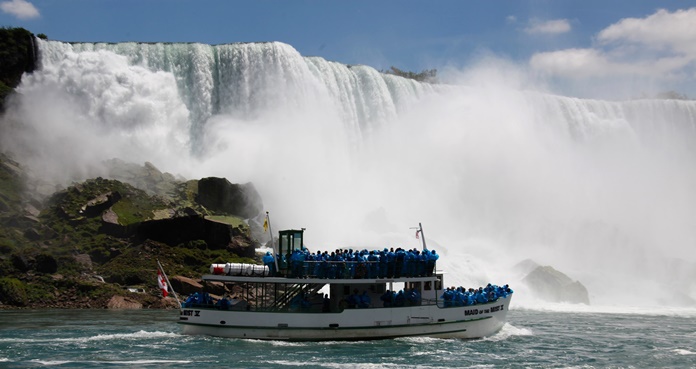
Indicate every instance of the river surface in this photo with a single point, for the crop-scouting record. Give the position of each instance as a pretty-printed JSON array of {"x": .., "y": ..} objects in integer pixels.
[{"x": 530, "y": 339}]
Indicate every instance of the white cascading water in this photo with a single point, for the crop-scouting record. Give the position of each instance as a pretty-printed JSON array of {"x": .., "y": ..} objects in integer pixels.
[{"x": 602, "y": 191}]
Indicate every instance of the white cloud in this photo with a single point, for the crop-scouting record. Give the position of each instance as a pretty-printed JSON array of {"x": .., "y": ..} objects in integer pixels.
[
  {"x": 553, "y": 27},
  {"x": 510, "y": 19},
  {"x": 675, "y": 32},
  {"x": 21, "y": 9},
  {"x": 573, "y": 62},
  {"x": 660, "y": 47},
  {"x": 583, "y": 63}
]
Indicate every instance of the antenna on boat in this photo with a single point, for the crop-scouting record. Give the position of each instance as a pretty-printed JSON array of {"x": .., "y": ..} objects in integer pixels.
[
  {"x": 267, "y": 222},
  {"x": 170, "y": 285},
  {"x": 422, "y": 235}
]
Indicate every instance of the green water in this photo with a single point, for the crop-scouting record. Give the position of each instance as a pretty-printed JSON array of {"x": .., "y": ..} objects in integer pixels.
[{"x": 531, "y": 339}]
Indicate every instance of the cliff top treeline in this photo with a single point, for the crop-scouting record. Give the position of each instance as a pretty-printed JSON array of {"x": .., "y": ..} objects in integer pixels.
[
  {"x": 427, "y": 75},
  {"x": 17, "y": 55}
]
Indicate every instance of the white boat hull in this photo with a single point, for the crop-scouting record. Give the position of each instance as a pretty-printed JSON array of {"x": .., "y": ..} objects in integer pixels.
[{"x": 351, "y": 324}]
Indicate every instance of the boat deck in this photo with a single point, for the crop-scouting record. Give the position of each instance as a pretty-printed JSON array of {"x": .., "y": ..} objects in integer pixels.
[{"x": 310, "y": 280}]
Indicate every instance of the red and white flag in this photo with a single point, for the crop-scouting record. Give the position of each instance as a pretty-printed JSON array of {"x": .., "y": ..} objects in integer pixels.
[{"x": 162, "y": 284}]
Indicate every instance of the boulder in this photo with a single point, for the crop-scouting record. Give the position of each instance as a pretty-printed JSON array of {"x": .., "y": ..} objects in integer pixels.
[
  {"x": 214, "y": 288},
  {"x": 184, "y": 285},
  {"x": 85, "y": 260},
  {"x": 173, "y": 231},
  {"x": 122, "y": 302},
  {"x": 145, "y": 177},
  {"x": 46, "y": 264},
  {"x": 218, "y": 194},
  {"x": 99, "y": 204},
  {"x": 550, "y": 285},
  {"x": 21, "y": 262}
]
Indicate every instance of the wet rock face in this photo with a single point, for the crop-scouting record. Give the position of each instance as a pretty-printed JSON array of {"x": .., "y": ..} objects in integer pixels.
[
  {"x": 122, "y": 302},
  {"x": 549, "y": 284},
  {"x": 184, "y": 285},
  {"x": 218, "y": 194}
]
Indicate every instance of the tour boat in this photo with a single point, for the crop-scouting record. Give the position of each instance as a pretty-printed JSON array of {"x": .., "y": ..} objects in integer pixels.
[{"x": 316, "y": 300}]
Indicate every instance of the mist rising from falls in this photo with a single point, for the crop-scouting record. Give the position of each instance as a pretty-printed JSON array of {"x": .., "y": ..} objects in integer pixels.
[{"x": 603, "y": 191}]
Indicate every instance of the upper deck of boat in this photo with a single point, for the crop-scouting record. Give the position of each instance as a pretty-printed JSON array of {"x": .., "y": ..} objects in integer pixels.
[{"x": 284, "y": 280}]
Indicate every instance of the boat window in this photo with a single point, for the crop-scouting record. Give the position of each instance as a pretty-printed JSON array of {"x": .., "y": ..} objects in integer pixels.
[
  {"x": 438, "y": 283},
  {"x": 297, "y": 240},
  {"x": 428, "y": 286},
  {"x": 285, "y": 242}
]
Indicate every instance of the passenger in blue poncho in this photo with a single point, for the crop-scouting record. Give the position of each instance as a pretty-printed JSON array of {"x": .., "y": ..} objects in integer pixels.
[
  {"x": 223, "y": 304},
  {"x": 299, "y": 302},
  {"x": 387, "y": 298},
  {"x": 400, "y": 299},
  {"x": 269, "y": 261},
  {"x": 432, "y": 259},
  {"x": 448, "y": 297},
  {"x": 413, "y": 297},
  {"x": 481, "y": 296},
  {"x": 353, "y": 300},
  {"x": 364, "y": 300}
]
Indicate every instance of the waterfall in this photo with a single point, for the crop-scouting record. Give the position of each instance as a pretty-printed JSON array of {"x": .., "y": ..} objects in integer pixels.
[{"x": 603, "y": 190}]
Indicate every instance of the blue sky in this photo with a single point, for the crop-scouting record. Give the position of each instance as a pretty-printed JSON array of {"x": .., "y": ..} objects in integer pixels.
[{"x": 571, "y": 43}]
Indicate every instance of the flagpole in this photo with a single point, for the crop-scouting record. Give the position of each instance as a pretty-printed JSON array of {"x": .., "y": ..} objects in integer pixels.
[
  {"x": 275, "y": 254},
  {"x": 422, "y": 235},
  {"x": 169, "y": 284}
]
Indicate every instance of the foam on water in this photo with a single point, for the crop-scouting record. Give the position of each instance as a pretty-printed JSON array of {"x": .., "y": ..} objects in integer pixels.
[
  {"x": 109, "y": 362},
  {"x": 140, "y": 335},
  {"x": 656, "y": 310},
  {"x": 508, "y": 331}
]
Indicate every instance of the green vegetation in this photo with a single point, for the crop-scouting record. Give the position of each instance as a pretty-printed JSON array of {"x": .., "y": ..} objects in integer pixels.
[
  {"x": 17, "y": 56},
  {"x": 13, "y": 291},
  {"x": 671, "y": 95},
  {"x": 427, "y": 75},
  {"x": 231, "y": 220}
]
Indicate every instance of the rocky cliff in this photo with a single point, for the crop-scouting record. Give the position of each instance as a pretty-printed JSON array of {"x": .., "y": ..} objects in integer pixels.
[{"x": 101, "y": 238}]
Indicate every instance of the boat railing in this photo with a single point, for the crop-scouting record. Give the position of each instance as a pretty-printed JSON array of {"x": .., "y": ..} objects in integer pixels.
[
  {"x": 350, "y": 269},
  {"x": 282, "y": 302}
]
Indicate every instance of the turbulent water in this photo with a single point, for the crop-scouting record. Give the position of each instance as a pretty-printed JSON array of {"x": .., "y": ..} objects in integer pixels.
[
  {"x": 496, "y": 171},
  {"x": 531, "y": 339}
]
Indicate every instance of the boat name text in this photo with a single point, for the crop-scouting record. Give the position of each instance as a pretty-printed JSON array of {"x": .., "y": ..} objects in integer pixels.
[
  {"x": 191, "y": 312},
  {"x": 484, "y": 311}
]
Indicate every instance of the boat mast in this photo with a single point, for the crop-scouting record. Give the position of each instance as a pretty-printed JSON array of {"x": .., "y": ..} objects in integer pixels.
[
  {"x": 275, "y": 253},
  {"x": 422, "y": 235}
]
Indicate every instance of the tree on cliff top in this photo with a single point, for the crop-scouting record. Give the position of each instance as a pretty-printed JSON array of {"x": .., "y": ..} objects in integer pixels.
[{"x": 427, "y": 75}]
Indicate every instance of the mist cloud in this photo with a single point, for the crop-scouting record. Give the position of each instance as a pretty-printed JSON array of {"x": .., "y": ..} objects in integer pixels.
[{"x": 602, "y": 190}]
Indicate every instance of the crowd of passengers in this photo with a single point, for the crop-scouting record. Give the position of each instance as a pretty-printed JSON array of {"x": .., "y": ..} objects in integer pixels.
[
  {"x": 407, "y": 297},
  {"x": 387, "y": 263},
  {"x": 363, "y": 300},
  {"x": 452, "y": 296},
  {"x": 460, "y": 296}
]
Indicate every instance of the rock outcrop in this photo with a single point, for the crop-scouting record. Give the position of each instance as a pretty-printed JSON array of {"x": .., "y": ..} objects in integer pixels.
[
  {"x": 123, "y": 302},
  {"x": 551, "y": 285},
  {"x": 218, "y": 194}
]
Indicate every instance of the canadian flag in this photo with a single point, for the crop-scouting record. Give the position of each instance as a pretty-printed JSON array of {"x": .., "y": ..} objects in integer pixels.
[{"x": 162, "y": 284}]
